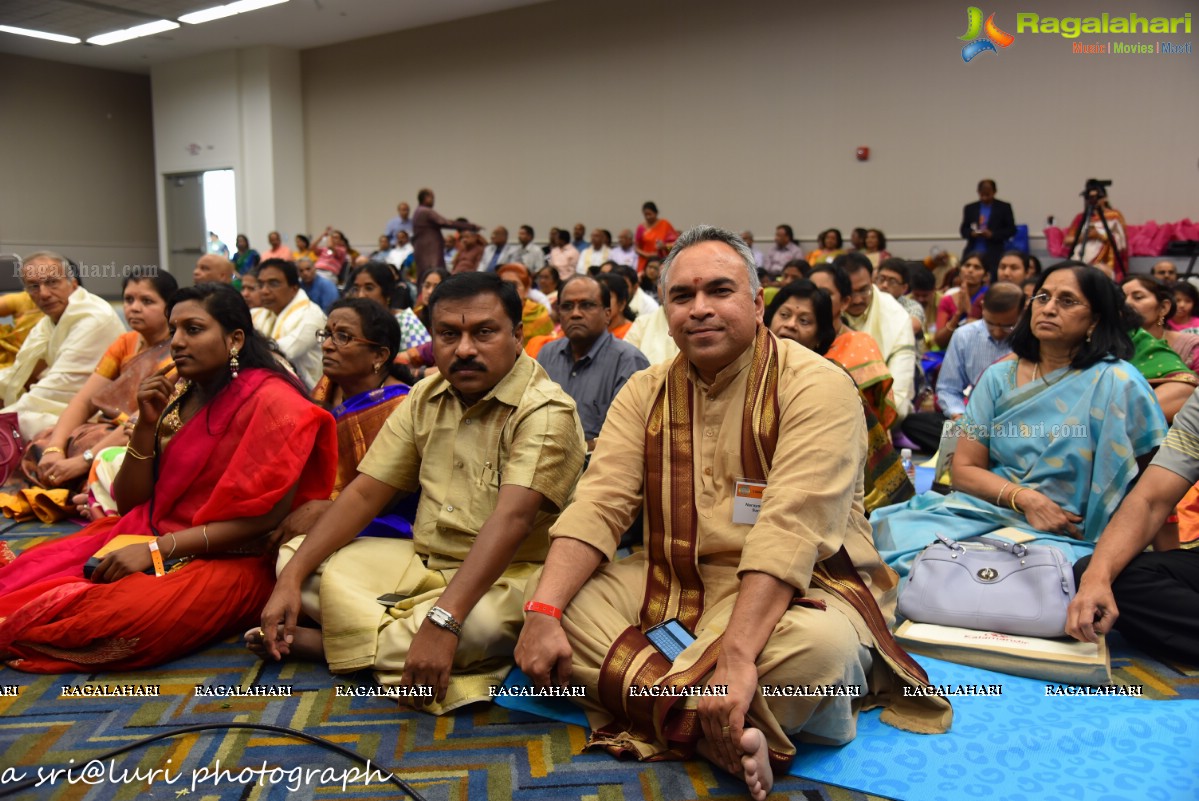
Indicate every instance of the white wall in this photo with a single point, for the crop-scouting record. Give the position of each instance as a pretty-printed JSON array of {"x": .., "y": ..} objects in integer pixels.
[
  {"x": 745, "y": 115},
  {"x": 75, "y": 167},
  {"x": 241, "y": 111}
]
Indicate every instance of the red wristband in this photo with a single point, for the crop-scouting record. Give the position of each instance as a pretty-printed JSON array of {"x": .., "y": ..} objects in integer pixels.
[{"x": 545, "y": 609}]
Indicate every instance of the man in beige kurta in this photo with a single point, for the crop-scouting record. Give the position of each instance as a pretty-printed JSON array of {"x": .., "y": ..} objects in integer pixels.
[
  {"x": 785, "y": 628},
  {"x": 495, "y": 453},
  {"x": 62, "y": 350}
]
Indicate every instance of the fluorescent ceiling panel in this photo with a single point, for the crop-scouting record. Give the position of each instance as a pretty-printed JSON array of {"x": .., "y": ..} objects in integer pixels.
[
  {"x": 149, "y": 29},
  {"x": 53, "y": 37}
]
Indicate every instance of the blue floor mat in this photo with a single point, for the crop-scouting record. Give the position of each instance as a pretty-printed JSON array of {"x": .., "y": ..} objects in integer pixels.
[{"x": 1021, "y": 746}]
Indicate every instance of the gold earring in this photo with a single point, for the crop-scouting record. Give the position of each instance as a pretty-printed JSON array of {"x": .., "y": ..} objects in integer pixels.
[{"x": 233, "y": 365}]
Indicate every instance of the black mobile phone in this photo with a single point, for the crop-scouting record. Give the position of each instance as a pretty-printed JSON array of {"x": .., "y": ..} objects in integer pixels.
[
  {"x": 391, "y": 599},
  {"x": 671, "y": 638}
]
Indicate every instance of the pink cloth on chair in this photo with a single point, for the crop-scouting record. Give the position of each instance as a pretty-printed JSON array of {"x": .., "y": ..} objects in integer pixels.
[{"x": 1147, "y": 239}]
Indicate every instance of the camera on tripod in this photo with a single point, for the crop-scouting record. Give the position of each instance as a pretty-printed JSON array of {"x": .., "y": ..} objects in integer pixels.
[{"x": 1097, "y": 186}]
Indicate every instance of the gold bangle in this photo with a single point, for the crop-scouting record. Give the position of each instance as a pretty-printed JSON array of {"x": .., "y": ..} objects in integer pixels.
[
  {"x": 53, "y": 449},
  {"x": 129, "y": 449},
  {"x": 1012, "y": 499},
  {"x": 1003, "y": 489}
]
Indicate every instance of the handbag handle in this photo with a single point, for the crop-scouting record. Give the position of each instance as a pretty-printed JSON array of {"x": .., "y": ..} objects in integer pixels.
[{"x": 1016, "y": 549}]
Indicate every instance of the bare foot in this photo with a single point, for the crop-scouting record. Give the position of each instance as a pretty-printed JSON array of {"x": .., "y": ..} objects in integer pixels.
[
  {"x": 307, "y": 644},
  {"x": 755, "y": 764}
]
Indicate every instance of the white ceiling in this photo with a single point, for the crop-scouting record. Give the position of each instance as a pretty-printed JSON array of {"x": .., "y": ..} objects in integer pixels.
[{"x": 299, "y": 24}]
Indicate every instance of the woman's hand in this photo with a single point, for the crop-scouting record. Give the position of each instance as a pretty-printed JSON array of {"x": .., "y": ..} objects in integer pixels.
[
  {"x": 153, "y": 396},
  {"x": 45, "y": 466},
  {"x": 963, "y": 302},
  {"x": 64, "y": 471},
  {"x": 124, "y": 562},
  {"x": 1045, "y": 515}
]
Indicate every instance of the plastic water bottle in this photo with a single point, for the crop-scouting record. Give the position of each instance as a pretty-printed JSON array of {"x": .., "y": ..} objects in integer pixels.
[{"x": 909, "y": 467}]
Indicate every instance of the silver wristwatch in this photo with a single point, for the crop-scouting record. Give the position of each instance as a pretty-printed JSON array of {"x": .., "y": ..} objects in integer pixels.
[
  {"x": 442, "y": 618},
  {"x": 88, "y": 456}
]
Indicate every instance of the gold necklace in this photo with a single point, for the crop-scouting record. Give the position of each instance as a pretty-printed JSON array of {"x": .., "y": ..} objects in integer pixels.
[
  {"x": 171, "y": 421},
  {"x": 1036, "y": 369}
]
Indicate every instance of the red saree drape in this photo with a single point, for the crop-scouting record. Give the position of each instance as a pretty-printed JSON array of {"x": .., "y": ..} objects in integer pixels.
[{"x": 237, "y": 458}]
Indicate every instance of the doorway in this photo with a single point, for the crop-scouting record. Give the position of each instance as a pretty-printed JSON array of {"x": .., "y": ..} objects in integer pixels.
[{"x": 198, "y": 203}]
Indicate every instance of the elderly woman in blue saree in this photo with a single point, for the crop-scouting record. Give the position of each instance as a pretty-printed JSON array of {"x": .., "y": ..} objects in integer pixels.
[
  {"x": 361, "y": 387},
  {"x": 1052, "y": 436}
]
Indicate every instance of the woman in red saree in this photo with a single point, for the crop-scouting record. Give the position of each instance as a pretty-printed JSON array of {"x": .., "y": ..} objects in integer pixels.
[
  {"x": 214, "y": 464},
  {"x": 654, "y": 238}
]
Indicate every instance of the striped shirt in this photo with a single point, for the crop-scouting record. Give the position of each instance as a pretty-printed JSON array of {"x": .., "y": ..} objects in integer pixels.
[{"x": 1179, "y": 452}]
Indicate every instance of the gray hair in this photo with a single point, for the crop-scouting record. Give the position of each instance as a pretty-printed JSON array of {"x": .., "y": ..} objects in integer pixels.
[
  {"x": 68, "y": 269},
  {"x": 710, "y": 233}
]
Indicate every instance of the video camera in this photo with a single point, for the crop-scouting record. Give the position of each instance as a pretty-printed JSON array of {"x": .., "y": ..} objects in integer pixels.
[{"x": 1096, "y": 186}]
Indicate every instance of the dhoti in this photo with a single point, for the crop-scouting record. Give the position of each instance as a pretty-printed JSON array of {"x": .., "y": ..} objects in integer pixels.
[{"x": 361, "y": 633}]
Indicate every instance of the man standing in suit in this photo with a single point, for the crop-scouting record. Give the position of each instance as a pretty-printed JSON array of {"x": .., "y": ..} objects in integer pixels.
[{"x": 987, "y": 225}]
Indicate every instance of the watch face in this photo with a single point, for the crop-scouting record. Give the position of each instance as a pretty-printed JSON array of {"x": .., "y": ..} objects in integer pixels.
[{"x": 88, "y": 455}]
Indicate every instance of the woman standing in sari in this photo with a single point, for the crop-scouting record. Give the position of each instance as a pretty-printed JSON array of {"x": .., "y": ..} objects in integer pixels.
[
  {"x": 1052, "y": 435},
  {"x": 61, "y": 456},
  {"x": 1104, "y": 236},
  {"x": 805, "y": 313},
  {"x": 655, "y": 237},
  {"x": 214, "y": 464}
]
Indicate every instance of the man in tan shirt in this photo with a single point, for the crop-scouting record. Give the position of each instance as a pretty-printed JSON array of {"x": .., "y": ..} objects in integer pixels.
[
  {"x": 747, "y": 453},
  {"x": 495, "y": 448}
]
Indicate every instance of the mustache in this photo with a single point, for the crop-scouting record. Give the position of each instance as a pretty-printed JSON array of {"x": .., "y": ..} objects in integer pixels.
[{"x": 460, "y": 366}]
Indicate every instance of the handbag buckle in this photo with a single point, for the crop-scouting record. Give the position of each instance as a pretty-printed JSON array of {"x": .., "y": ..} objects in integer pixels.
[{"x": 988, "y": 574}]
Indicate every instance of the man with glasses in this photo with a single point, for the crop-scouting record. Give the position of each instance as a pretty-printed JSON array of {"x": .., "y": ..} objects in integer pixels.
[
  {"x": 974, "y": 347},
  {"x": 297, "y": 318},
  {"x": 881, "y": 316},
  {"x": 494, "y": 447},
  {"x": 588, "y": 362},
  {"x": 892, "y": 278},
  {"x": 62, "y": 350}
]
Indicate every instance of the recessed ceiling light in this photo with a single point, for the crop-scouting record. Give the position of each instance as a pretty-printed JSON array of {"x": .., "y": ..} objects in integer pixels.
[
  {"x": 220, "y": 12},
  {"x": 53, "y": 37},
  {"x": 149, "y": 29}
]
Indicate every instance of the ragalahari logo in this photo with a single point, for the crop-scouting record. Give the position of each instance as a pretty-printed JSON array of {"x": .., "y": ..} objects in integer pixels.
[{"x": 976, "y": 44}]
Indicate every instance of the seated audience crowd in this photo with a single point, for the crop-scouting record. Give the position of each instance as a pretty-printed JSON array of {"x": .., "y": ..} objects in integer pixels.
[{"x": 422, "y": 462}]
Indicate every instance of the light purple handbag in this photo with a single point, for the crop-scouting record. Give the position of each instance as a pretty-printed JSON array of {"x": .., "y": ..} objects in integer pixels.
[{"x": 990, "y": 585}]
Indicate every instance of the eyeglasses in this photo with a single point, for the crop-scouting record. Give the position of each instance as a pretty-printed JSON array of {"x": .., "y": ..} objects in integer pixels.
[
  {"x": 341, "y": 338},
  {"x": 1064, "y": 302},
  {"x": 585, "y": 306},
  {"x": 864, "y": 292},
  {"x": 888, "y": 280},
  {"x": 49, "y": 283}
]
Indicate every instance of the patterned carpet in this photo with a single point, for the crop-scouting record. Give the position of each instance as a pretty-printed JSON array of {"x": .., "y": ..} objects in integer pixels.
[{"x": 482, "y": 752}]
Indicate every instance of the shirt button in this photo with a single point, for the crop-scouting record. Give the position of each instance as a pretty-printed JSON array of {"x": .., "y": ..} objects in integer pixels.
[
  {"x": 707, "y": 432},
  {"x": 707, "y": 471},
  {"x": 449, "y": 508},
  {"x": 458, "y": 464},
  {"x": 468, "y": 422}
]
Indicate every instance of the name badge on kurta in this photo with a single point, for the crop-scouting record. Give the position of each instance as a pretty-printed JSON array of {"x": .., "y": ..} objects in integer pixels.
[{"x": 747, "y": 501}]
